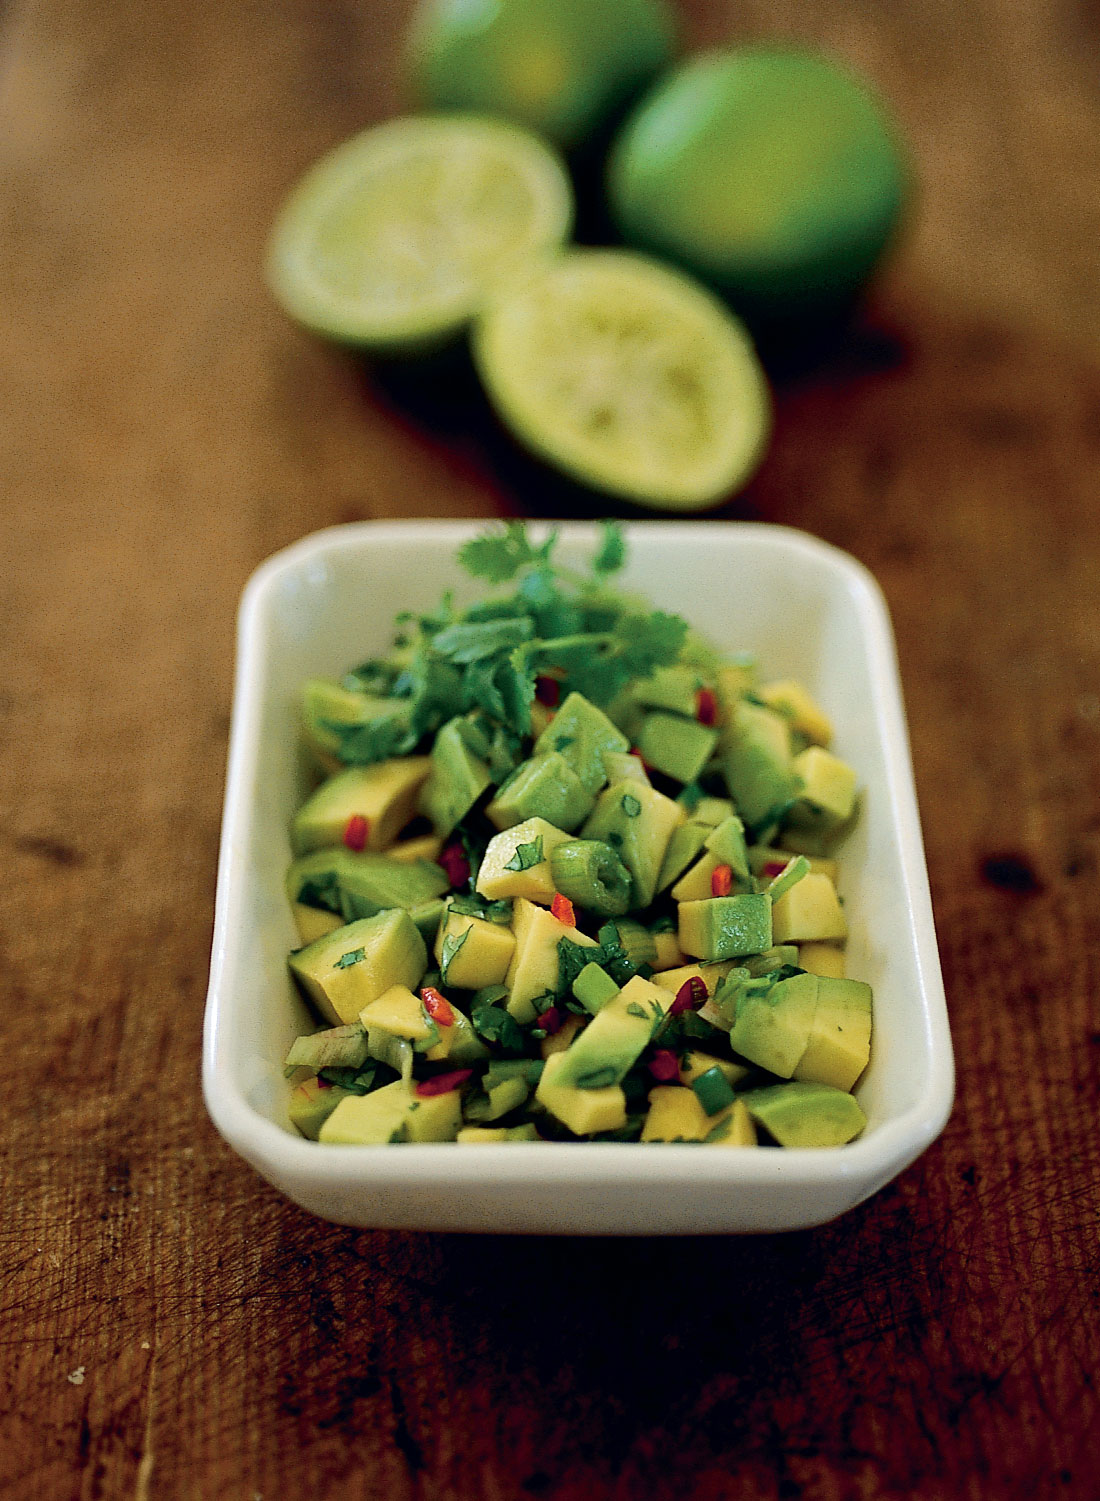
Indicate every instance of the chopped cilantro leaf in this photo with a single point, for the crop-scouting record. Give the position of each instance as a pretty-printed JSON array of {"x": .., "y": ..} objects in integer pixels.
[
  {"x": 635, "y": 1010},
  {"x": 612, "y": 549},
  {"x": 526, "y": 855},
  {"x": 352, "y": 956},
  {"x": 451, "y": 945}
]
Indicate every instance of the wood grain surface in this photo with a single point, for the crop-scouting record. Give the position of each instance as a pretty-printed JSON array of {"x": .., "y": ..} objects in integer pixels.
[{"x": 169, "y": 1326}]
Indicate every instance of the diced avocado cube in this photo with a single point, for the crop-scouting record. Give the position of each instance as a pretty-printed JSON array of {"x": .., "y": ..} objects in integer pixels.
[
  {"x": 384, "y": 794},
  {"x": 427, "y": 916},
  {"x": 401, "y": 1013},
  {"x": 347, "y": 969},
  {"x": 594, "y": 987},
  {"x": 582, "y": 1111},
  {"x": 311, "y": 1103},
  {"x": 362, "y": 884},
  {"x": 606, "y": 1049},
  {"x": 678, "y": 747},
  {"x": 315, "y": 922},
  {"x": 801, "y": 1114},
  {"x": 726, "y": 842},
  {"x": 804, "y": 713},
  {"x": 582, "y": 733},
  {"x": 773, "y": 1027},
  {"x": 683, "y": 847},
  {"x": 710, "y": 974},
  {"x": 669, "y": 954},
  {"x": 625, "y": 766},
  {"x": 517, "y": 862},
  {"x": 637, "y": 822},
  {"x": 712, "y": 811},
  {"x": 822, "y": 959},
  {"x": 544, "y": 787},
  {"x": 499, "y": 1099},
  {"x": 422, "y": 847},
  {"x": 693, "y": 1064},
  {"x": 458, "y": 1042},
  {"x": 809, "y": 911},
  {"x": 672, "y": 688},
  {"x": 534, "y": 970},
  {"x": 839, "y": 1046},
  {"x": 394, "y": 1113},
  {"x": 695, "y": 885},
  {"x": 456, "y": 780},
  {"x": 675, "y": 1114},
  {"x": 488, "y": 1135},
  {"x": 726, "y": 927},
  {"x": 471, "y": 952},
  {"x": 828, "y": 794},
  {"x": 758, "y": 763}
]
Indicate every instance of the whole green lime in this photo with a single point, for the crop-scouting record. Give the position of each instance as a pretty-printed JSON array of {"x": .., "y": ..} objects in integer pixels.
[
  {"x": 772, "y": 173},
  {"x": 560, "y": 67}
]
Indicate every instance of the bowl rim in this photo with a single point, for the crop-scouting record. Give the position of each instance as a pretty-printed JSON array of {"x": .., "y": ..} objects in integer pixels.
[{"x": 872, "y": 1159}]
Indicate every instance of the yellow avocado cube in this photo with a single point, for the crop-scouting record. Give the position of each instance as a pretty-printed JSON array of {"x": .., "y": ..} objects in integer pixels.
[
  {"x": 810, "y": 911},
  {"x": 384, "y": 793},
  {"x": 669, "y": 953},
  {"x": 534, "y": 967},
  {"x": 693, "y": 1064},
  {"x": 345, "y": 970},
  {"x": 805, "y": 714},
  {"x": 471, "y": 952},
  {"x": 517, "y": 862},
  {"x": 710, "y": 974},
  {"x": 315, "y": 922},
  {"x": 400, "y": 1013},
  {"x": 828, "y": 793},
  {"x": 822, "y": 959},
  {"x": 583, "y": 1111},
  {"x": 394, "y": 1113},
  {"x": 675, "y": 1114},
  {"x": 694, "y": 885},
  {"x": 409, "y": 851}
]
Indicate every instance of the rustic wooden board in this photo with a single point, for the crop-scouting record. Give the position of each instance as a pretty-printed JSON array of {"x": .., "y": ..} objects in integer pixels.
[{"x": 169, "y": 1325}]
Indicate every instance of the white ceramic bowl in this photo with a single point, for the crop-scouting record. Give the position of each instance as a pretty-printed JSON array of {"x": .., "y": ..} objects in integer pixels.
[{"x": 807, "y": 611}]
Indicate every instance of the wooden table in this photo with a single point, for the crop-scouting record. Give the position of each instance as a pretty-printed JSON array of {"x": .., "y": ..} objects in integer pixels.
[{"x": 171, "y": 1327}]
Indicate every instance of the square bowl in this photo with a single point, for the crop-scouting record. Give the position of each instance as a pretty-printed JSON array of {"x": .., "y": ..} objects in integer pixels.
[{"x": 805, "y": 610}]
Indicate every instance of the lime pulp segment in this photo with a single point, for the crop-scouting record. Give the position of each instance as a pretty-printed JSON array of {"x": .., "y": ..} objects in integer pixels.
[
  {"x": 627, "y": 375},
  {"x": 395, "y": 237}
]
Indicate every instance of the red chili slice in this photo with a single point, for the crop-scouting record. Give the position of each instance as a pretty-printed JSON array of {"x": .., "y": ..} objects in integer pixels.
[
  {"x": 562, "y": 908},
  {"x": 774, "y": 868},
  {"x": 551, "y": 1021},
  {"x": 663, "y": 1065},
  {"x": 437, "y": 1006},
  {"x": 721, "y": 880},
  {"x": 356, "y": 832},
  {"x": 706, "y": 706},
  {"x": 691, "y": 995},
  {"x": 443, "y": 1083},
  {"x": 547, "y": 691},
  {"x": 452, "y": 860}
]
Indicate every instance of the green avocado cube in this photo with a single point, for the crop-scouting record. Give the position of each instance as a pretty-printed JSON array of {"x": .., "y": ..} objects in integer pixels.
[
  {"x": 772, "y": 1027},
  {"x": 839, "y": 1045},
  {"x": 456, "y": 781},
  {"x": 727, "y": 844},
  {"x": 637, "y": 822},
  {"x": 582, "y": 733},
  {"x": 758, "y": 763},
  {"x": 542, "y": 787},
  {"x": 603, "y": 1053},
  {"x": 347, "y": 969},
  {"x": 806, "y": 1115},
  {"x": 678, "y": 747},
  {"x": 726, "y": 927},
  {"x": 594, "y": 988},
  {"x": 672, "y": 688}
]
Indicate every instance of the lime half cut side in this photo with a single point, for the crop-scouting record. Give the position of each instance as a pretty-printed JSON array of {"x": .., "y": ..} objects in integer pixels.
[
  {"x": 629, "y": 376},
  {"x": 393, "y": 239}
]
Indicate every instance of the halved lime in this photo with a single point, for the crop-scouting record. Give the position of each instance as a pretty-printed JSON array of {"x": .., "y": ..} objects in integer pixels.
[
  {"x": 629, "y": 376},
  {"x": 392, "y": 240}
]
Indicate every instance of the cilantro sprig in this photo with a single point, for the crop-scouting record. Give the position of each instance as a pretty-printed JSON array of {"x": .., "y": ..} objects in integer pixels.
[{"x": 485, "y": 660}]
